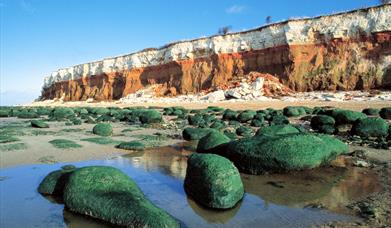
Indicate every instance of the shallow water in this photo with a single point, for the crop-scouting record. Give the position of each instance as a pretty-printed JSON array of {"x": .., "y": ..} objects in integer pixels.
[{"x": 271, "y": 200}]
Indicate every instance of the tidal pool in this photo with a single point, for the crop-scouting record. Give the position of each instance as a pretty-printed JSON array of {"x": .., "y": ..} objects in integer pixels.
[{"x": 270, "y": 200}]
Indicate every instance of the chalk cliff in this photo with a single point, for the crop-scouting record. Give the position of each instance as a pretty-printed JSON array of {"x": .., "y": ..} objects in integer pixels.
[{"x": 345, "y": 51}]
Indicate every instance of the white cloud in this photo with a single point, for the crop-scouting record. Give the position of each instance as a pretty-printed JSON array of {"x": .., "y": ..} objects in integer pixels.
[{"x": 235, "y": 9}]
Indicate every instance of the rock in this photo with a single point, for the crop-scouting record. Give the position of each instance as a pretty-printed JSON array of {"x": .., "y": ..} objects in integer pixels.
[
  {"x": 103, "y": 129},
  {"x": 195, "y": 120},
  {"x": 343, "y": 116},
  {"x": 371, "y": 127},
  {"x": 326, "y": 129},
  {"x": 54, "y": 182},
  {"x": 150, "y": 116},
  {"x": 279, "y": 120},
  {"x": 295, "y": 151},
  {"x": 321, "y": 120},
  {"x": 230, "y": 114},
  {"x": 210, "y": 142},
  {"x": 258, "y": 84},
  {"x": 39, "y": 124},
  {"x": 218, "y": 95},
  {"x": 213, "y": 181},
  {"x": 90, "y": 100},
  {"x": 385, "y": 113},
  {"x": 246, "y": 116},
  {"x": 132, "y": 145},
  {"x": 371, "y": 111},
  {"x": 4, "y": 113},
  {"x": 361, "y": 163},
  {"x": 276, "y": 130},
  {"x": 294, "y": 111},
  {"x": 244, "y": 131},
  {"x": 234, "y": 94},
  {"x": 61, "y": 114},
  {"x": 108, "y": 194},
  {"x": 195, "y": 133}
]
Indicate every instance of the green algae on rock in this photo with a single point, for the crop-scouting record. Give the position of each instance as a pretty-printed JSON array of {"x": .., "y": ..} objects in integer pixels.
[
  {"x": 275, "y": 130},
  {"x": 64, "y": 144},
  {"x": 371, "y": 127},
  {"x": 103, "y": 129},
  {"x": 385, "y": 113},
  {"x": 39, "y": 124},
  {"x": 132, "y": 145},
  {"x": 108, "y": 194},
  {"x": 343, "y": 116},
  {"x": 54, "y": 182},
  {"x": 8, "y": 138},
  {"x": 101, "y": 140},
  {"x": 278, "y": 153},
  {"x": 150, "y": 116},
  {"x": 195, "y": 133},
  {"x": 211, "y": 141},
  {"x": 213, "y": 181}
]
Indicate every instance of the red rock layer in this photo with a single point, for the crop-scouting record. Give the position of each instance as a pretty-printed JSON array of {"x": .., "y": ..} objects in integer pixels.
[{"x": 330, "y": 65}]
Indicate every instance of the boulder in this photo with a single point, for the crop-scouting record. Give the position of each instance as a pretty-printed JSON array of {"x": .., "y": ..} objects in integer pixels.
[
  {"x": 218, "y": 95},
  {"x": 150, "y": 116},
  {"x": 211, "y": 141},
  {"x": 285, "y": 152},
  {"x": 246, "y": 116},
  {"x": 60, "y": 114},
  {"x": 385, "y": 113},
  {"x": 103, "y": 129},
  {"x": 108, "y": 194},
  {"x": 292, "y": 111},
  {"x": 54, "y": 182},
  {"x": 39, "y": 124},
  {"x": 230, "y": 114},
  {"x": 213, "y": 181},
  {"x": 278, "y": 119},
  {"x": 275, "y": 130},
  {"x": 320, "y": 120},
  {"x": 371, "y": 111},
  {"x": 371, "y": 127},
  {"x": 343, "y": 116},
  {"x": 244, "y": 131},
  {"x": 195, "y": 133}
]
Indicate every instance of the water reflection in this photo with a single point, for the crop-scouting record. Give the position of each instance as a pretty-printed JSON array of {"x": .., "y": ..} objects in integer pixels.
[{"x": 270, "y": 200}]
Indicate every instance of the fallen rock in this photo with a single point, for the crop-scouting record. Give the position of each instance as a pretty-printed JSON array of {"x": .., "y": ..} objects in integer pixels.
[
  {"x": 195, "y": 133},
  {"x": 211, "y": 142},
  {"x": 371, "y": 127},
  {"x": 213, "y": 181},
  {"x": 103, "y": 129}
]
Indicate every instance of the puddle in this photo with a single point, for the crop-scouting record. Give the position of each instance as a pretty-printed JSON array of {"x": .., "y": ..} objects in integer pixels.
[{"x": 271, "y": 200}]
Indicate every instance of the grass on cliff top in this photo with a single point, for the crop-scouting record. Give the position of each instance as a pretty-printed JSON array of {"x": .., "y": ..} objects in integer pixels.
[
  {"x": 101, "y": 140},
  {"x": 64, "y": 144},
  {"x": 13, "y": 146}
]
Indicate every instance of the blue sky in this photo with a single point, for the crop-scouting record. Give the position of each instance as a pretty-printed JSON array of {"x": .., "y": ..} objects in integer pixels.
[{"x": 40, "y": 36}]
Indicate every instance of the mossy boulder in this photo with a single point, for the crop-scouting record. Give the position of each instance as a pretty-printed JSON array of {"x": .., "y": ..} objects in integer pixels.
[
  {"x": 320, "y": 120},
  {"x": 281, "y": 153},
  {"x": 326, "y": 129},
  {"x": 132, "y": 145},
  {"x": 278, "y": 119},
  {"x": 371, "y": 127},
  {"x": 103, "y": 129},
  {"x": 343, "y": 116},
  {"x": 244, "y": 131},
  {"x": 64, "y": 144},
  {"x": 371, "y": 111},
  {"x": 212, "y": 141},
  {"x": 385, "y": 113},
  {"x": 217, "y": 125},
  {"x": 213, "y": 181},
  {"x": 293, "y": 111},
  {"x": 62, "y": 114},
  {"x": 277, "y": 130},
  {"x": 246, "y": 116},
  {"x": 195, "y": 120},
  {"x": 4, "y": 113},
  {"x": 27, "y": 114},
  {"x": 150, "y": 116},
  {"x": 108, "y": 194},
  {"x": 54, "y": 182},
  {"x": 230, "y": 114},
  {"x": 39, "y": 124},
  {"x": 257, "y": 123},
  {"x": 195, "y": 133}
]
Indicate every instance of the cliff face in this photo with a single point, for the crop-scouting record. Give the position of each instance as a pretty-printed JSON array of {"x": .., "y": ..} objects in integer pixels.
[{"x": 344, "y": 51}]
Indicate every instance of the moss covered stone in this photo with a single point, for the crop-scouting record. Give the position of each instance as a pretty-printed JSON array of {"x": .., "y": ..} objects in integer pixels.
[
  {"x": 150, "y": 116},
  {"x": 103, "y": 129},
  {"x": 4, "y": 113},
  {"x": 343, "y": 116},
  {"x": 278, "y": 119},
  {"x": 211, "y": 142},
  {"x": 54, "y": 182},
  {"x": 132, "y": 145},
  {"x": 8, "y": 138},
  {"x": 283, "y": 152},
  {"x": 195, "y": 133},
  {"x": 246, "y": 116},
  {"x": 244, "y": 131},
  {"x": 230, "y": 114},
  {"x": 64, "y": 144},
  {"x": 108, "y": 194},
  {"x": 320, "y": 120},
  {"x": 62, "y": 114},
  {"x": 39, "y": 124},
  {"x": 385, "y": 113},
  {"x": 294, "y": 111},
  {"x": 277, "y": 130},
  {"x": 371, "y": 111},
  {"x": 371, "y": 127},
  {"x": 213, "y": 181},
  {"x": 27, "y": 114}
]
